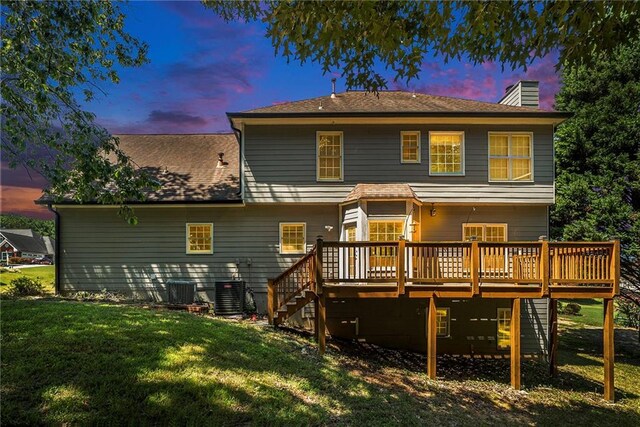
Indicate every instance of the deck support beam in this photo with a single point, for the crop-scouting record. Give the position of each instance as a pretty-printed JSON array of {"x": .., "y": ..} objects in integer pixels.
[
  {"x": 515, "y": 343},
  {"x": 553, "y": 338},
  {"x": 271, "y": 302},
  {"x": 431, "y": 339},
  {"x": 321, "y": 323},
  {"x": 608, "y": 350}
]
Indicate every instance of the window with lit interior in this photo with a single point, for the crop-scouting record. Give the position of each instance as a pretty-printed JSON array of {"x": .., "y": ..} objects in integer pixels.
[
  {"x": 446, "y": 153},
  {"x": 329, "y": 148},
  {"x": 293, "y": 237},
  {"x": 410, "y": 146},
  {"x": 504, "y": 328},
  {"x": 442, "y": 321},
  {"x": 510, "y": 156},
  {"x": 199, "y": 238}
]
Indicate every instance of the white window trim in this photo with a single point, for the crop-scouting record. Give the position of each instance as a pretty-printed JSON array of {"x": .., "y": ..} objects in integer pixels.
[
  {"x": 498, "y": 346},
  {"x": 321, "y": 132},
  {"x": 193, "y": 252},
  {"x": 304, "y": 233},
  {"x": 448, "y": 321},
  {"x": 489, "y": 157},
  {"x": 484, "y": 228},
  {"x": 462, "y": 154},
  {"x": 411, "y": 132}
]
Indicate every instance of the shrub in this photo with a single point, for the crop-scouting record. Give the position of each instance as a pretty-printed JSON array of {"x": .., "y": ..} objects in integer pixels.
[
  {"x": 104, "y": 295},
  {"x": 26, "y": 286},
  {"x": 572, "y": 309},
  {"x": 19, "y": 260}
]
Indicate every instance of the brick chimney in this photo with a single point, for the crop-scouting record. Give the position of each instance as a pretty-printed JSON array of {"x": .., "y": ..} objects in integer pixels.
[{"x": 525, "y": 93}]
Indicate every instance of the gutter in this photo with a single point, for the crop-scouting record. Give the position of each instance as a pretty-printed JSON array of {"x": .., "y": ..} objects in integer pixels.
[
  {"x": 329, "y": 114},
  {"x": 238, "y": 133},
  {"x": 57, "y": 257}
]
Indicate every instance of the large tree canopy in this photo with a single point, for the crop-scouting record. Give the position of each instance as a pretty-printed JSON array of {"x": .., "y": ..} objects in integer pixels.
[
  {"x": 598, "y": 156},
  {"x": 52, "y": 53},
  {"x": 354, "y": 38}
]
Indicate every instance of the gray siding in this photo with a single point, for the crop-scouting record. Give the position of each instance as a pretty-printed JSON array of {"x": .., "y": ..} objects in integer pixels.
[
  {"x": 372, "y": 154},
  {"x": 100, "y": 251},
  {"x": 523, "y": 223}
]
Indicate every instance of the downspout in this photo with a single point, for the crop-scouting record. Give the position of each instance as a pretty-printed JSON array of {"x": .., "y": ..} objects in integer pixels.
[
  {"x": 57, "y": 257},
  {"x": 238, "y": 133}
]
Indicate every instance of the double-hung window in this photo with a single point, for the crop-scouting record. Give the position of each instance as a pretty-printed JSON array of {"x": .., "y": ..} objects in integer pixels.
[
  {"x": 329, "y": 156},
  {"x": 442, "y": 322},
  {"x": 504, "y": 328},
  {"x": 484, "y": 232},
  {"x": 446, "y": 153},
  {"x": 199, "y": 238},
  {"x": 293, "y": 237},
  {"x": 410, "y": 146},
  {"x": 510, "y": 156}
]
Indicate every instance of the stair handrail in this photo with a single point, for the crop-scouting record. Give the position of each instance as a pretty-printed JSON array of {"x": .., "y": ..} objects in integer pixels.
[{"x": 277, "y": 295}]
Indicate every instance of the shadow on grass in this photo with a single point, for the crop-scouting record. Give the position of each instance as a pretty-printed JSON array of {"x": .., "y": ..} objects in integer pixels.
[{"x": 87, "y": 363}]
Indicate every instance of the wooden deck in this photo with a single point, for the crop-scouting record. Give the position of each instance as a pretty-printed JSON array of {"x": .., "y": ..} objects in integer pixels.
[{"x": 437, "y": 270}]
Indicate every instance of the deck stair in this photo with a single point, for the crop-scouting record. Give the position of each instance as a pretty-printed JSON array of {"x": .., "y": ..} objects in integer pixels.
[{"x": 292, "y": 290}]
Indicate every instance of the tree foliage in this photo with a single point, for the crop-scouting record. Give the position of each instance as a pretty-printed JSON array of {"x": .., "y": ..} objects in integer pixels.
[
  {"x": 357, "y": 37},
  {"x": 43, "y": 227},
  {"x": 53, "y": 53},
  {"x": 598, "y": 157}
]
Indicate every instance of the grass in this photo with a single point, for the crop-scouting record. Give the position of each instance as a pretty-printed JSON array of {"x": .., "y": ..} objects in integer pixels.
[
  {"x": 45, "y": 273},
  {"x": 94, "y": 363},
  {"x": 591, "y": 312}
]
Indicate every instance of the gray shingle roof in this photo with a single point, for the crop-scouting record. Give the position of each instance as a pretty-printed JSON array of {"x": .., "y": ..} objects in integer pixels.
[
  {"x": 389, "y": 102},
  {"x": 186, "y": 166},
  {"x": 381, "y": 191},
  {"x": 26, "y": 241}
]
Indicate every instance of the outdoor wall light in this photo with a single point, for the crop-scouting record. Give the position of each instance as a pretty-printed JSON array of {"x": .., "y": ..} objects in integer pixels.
[{"x": 432, "y": 212}]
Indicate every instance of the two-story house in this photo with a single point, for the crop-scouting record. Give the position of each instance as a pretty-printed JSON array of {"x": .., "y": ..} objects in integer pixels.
[{"x": 432, "y": 213}]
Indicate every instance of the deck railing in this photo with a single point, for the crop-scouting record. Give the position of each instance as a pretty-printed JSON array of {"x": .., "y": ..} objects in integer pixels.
[
  {"x": 539, "y": 264},
  {"x": 291, "y": 282}
]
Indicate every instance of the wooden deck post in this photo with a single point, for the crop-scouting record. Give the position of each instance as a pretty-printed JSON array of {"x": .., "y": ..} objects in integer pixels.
[
  {"x": 321, "y": 328},
  {"x": 431, "y": 338},
  {"x": 608, "y": 350},
  {"x": 475, "y": 265},
  {"x": 553, "y": 338},
  {"x": 270, "y": 301},
  {"x": 515, "y": 343},
  {"x": 615, "y": 267},
  {"x": 544, "y": 265},
  {"x": 321, "y": 314},
  {"x": 400, "y": 273}
]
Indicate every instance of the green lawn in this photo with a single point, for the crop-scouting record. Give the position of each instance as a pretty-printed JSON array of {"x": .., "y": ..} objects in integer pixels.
[
  {"x": 45, "y": 273},
  {"x": 90, "y": 363}
]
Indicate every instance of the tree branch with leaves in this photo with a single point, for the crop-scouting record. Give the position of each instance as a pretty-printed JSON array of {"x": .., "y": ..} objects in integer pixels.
[{"x": 54, "y": 53}]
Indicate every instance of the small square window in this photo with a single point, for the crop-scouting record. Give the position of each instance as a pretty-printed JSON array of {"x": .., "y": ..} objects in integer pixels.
[
  {"x": 199, "y": 238},
  {"x": 510, "y": 156},
  {"x": 293, "y": 238}
]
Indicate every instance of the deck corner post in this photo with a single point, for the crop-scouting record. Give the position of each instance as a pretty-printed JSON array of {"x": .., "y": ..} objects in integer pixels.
[
  {"x": 608, "y": 350},
  {"x": 271, "y": 303},
  {"x": 615, "y": 266},
  {"x": 320, "y": 323},
  {"x": 544, "y": 265},
  {"x": 318, "y": 265},
  {"x": 553, "y": 338},
  {"x": 515, "y": 343},
  {"x": 400, "y": 269},
  {"x": 431, "y": 338},
  {"x": 475, "y": 265}
]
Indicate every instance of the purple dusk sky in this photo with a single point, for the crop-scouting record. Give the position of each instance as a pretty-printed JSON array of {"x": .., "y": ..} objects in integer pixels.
[{"x": 201, "y": 67}]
